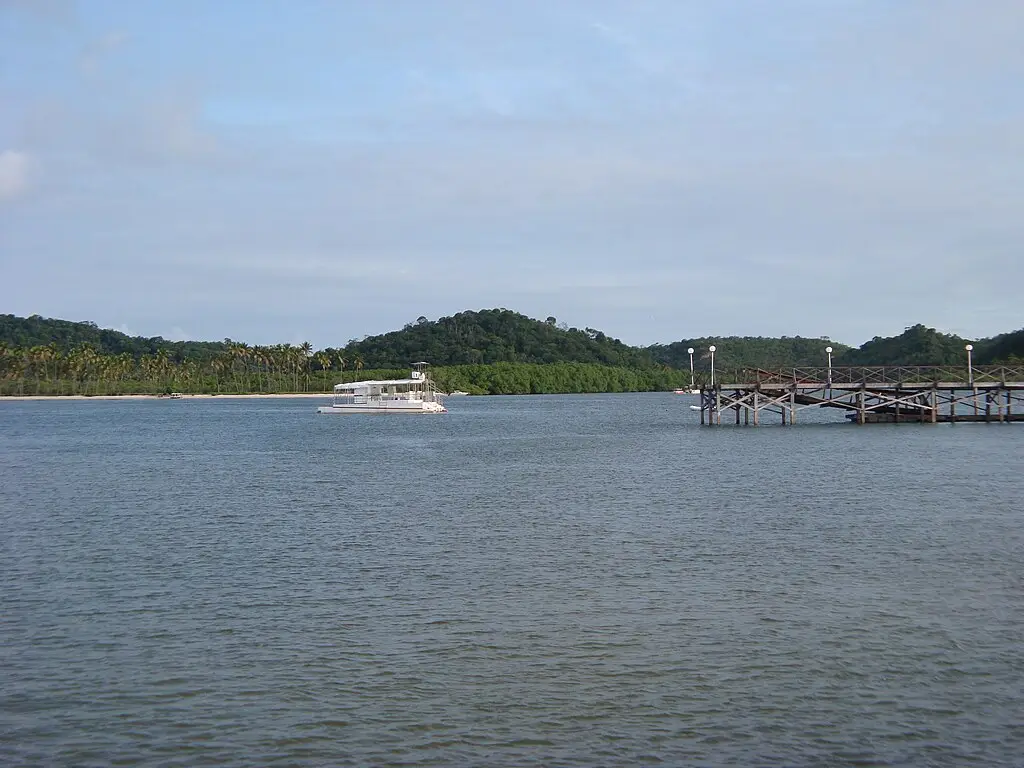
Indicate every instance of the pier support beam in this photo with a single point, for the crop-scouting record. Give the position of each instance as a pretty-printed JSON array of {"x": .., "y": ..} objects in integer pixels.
[{"x": 871, "y": 395}]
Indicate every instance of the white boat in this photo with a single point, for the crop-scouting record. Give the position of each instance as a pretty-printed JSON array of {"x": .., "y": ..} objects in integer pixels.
[
  {"x": 686, "y": 391},
  {"x": 415, "y": 394},
  {"x": 457, "y": 393}
]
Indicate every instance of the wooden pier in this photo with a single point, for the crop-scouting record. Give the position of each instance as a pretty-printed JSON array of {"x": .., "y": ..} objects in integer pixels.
[{"x": 870, "y": 394}]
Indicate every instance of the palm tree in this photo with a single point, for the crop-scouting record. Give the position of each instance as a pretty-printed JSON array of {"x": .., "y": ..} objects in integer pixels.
[
  {"x": 35, "y": 358},
  {"x": 242, "y": 355},
  {"x": 126, "y": 366},
  {"x": 220, "y": 365},
  {"x": 324, "y": 361},
  {"x": 42, "y": 356},
  {"x": 78, "y": 362},
  {"x": 258, "y": 355},
  {"x": 306, "y": 350},
  {"x": 163, "y": 368}
]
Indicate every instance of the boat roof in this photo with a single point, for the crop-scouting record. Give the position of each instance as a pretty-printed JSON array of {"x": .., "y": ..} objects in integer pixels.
[{"x": 373, "y": 382}]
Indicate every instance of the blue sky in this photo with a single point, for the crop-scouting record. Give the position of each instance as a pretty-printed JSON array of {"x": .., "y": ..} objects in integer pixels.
[{"x": 321, "y": 170}]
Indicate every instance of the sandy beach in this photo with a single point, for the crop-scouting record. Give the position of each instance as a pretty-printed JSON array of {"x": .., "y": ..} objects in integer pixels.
[{"x": 14, "y": 398}]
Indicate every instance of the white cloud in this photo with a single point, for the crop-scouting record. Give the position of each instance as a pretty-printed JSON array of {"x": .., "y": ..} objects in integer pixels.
[{"x": 15, "y": 172}]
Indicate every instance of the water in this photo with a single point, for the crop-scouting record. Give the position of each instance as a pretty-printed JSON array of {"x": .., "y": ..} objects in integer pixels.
[{"x": 540, "y": 581}]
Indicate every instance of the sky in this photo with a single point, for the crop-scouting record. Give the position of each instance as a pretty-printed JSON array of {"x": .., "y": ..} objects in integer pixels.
[{"x": 277, "y": 171}]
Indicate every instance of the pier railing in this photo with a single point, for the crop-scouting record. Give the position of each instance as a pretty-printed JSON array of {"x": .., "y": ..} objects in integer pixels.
[{"x": 874, "y": 374}]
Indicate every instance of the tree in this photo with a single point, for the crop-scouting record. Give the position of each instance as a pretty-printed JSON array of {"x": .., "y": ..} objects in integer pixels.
[
  {"x": 324, "y": 361},
  {"x": 306, "y": 350}
]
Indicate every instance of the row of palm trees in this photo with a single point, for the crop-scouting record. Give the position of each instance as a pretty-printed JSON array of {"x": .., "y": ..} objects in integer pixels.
[{"x": 239, "y": 368}]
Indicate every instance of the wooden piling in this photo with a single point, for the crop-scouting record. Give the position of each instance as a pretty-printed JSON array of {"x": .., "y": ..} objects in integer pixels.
[{"x": 870, "y": 395}]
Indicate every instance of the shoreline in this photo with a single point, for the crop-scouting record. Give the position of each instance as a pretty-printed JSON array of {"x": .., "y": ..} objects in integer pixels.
[{"x": 253, "y": 396}]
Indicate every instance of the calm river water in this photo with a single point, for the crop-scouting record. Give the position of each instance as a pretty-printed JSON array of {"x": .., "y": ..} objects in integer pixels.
[{"x": 573, "y": 580}]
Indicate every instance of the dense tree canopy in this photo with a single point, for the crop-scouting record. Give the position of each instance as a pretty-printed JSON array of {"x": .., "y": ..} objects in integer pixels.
[
  {"x": 40, "y": 331},
  {"x": 488, "y": 352},
  {"x": 747, "y": 351},
  {"x": 1006, "y": 347},
  {"x": 919, "y": 345},
  {"x": 493, "y": 336}
]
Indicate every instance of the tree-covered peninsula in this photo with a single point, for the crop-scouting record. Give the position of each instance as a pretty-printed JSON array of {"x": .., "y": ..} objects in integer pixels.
[{"x": 493, "y": 351}]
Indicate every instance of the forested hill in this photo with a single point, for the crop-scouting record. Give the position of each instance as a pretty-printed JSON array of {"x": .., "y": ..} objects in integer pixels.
[
  {"x": 747, "y": 352},
  {"x": 36, "y": 331},
  {"x": 1006, "y": 347},
  {"x": 493, "y": 336},
  {"x": 500, "y": 335},
  {"x": 919, "y": 345}
]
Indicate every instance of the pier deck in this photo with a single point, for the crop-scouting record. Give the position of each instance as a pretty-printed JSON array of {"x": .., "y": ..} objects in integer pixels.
[{"x": 869, "y": 394}]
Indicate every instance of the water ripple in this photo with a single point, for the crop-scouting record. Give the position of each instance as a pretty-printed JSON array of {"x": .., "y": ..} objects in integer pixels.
[{"x": 550, "y": 581}]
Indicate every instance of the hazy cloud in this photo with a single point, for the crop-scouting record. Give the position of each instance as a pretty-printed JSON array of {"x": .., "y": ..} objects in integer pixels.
[
  {"x": 658, "y": 170},
  {"x": 15, "y": 168},
  {"x": 50, "y": 11},
  {"x": 93, "y": 52}
]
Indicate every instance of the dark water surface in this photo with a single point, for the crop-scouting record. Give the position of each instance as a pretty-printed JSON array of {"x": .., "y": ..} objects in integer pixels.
[{"x": 523, "y": 581}]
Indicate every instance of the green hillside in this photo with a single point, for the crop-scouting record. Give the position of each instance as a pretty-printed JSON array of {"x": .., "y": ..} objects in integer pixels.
[
  {"x": 747, "y": 352},
  {"x": 919, "y": 345},
  {"x": 494, "y": 351},
  {"x": 493, "y": 336},
  {"x": 36, "y": 331},
  {"x": 1004, "y": 348}
]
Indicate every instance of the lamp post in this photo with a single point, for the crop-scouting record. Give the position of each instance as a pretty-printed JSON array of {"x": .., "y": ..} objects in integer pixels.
[
  {"x": 711, "y": 349},
  {"x": 970, "y": 378},
  {"x": 690, "y": 352},
  {"x": 828, "y": 351}
]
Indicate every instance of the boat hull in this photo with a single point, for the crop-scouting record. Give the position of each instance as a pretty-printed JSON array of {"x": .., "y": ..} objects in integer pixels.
[{"x": 396, "y": 408}]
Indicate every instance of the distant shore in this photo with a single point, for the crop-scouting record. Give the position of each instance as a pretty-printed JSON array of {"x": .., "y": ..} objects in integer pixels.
[{"x": 262, "y": 395}]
